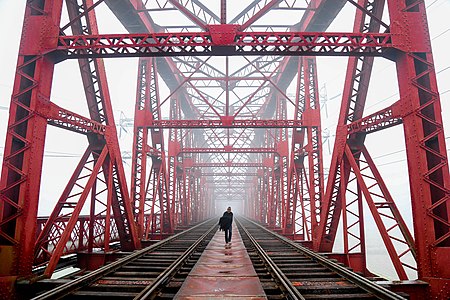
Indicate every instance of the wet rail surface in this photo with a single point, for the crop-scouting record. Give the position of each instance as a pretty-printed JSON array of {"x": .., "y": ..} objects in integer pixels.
[
  {"x": 144, "y": 273},
  {"x": 304, "y": 274}
]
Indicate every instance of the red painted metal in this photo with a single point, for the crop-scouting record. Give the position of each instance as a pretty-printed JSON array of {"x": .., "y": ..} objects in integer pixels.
[
  {"x": 71, "y": 208},
  {"x": 182, "y": 7},
  {"x": 24, "y": 146},
  {"x": 212, "y": 278},
  {"x": 228, "y": 149},
  {"x": 305, "y": 187},
  {"x": 425, "y": 145},
  {"x": 227, "y": 122},
  {"x": 228, "y": 132},
  {"x": 63, "y": 118},
  {"x": 335, "y": 203},
  {"x": 228, "y": 164},
  {"x": 79, "y": 239},
  {"x": 66, "y": 205},
  {"x": 380, "y": 120},
  {"x": 239, "y": 43},
  {"x": 50, "y": 242},
  {"x": 100, "y": 108},
  {"x": 150, "y": 194},
  {"x": 384, "y": 209}
]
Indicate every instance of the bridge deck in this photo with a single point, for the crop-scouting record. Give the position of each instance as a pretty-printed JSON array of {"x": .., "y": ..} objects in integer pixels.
[{"x": 223, "y": 273}]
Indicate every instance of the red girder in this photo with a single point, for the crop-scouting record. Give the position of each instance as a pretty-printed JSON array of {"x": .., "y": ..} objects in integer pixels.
[
  {"x": 334, "y": 202},
  {"x": 377, "y": 121},
  {"x": 425, "y": 149},
  {"x": 66, "y": 119},
  {"x": 227, "y": 185},
  {"x": 228, "y": 164},
  {"x": 152, "y": 191},
  {"x": 101, "y": 117},
  {"x": 228, "y": 149},
  {"x": 203, "y": 43},
  {"x": 305, "y": 186},
  {"x": 226, "y": 122},
  {"x": 227, "y": 174}
]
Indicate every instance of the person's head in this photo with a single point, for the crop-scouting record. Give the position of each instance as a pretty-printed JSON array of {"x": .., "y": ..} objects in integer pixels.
[{"x": 229, "y": 209}]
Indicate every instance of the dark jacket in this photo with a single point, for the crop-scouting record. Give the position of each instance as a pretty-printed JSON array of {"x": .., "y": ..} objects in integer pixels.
[{"x": 226, "y": 220}]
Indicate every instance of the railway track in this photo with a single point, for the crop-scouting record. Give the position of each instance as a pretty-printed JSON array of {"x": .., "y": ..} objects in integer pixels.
[
  {"x": 285, "y": 269},
  {"x": 144, "y": 273},
  {"x": 303, "y": 274}
]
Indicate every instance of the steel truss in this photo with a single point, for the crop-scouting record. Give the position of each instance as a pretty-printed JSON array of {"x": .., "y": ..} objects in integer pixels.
[{"x": 229, "y": 133}]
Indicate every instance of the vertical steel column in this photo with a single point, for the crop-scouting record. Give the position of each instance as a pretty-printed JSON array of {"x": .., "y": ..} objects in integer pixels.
[
  {"x": 425, "y": 143},
  {"x": 140, "y": 142},
  {"x": 24, "y": 146},
  {"x": 271, "y": 180},
  {"x": 311, "y": 116},
  {"x": 307, "y": 109},
  {"x": 283, "y": 162},
  {"x": 295, "y": 208},
  {"x": 173, "y": 158},
  {"x": 352, "y": 213},
  {"x": 147, "y": 110}
]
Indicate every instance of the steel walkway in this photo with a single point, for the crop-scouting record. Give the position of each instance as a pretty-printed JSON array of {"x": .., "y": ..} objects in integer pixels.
[{"x": 223, "y": 273}]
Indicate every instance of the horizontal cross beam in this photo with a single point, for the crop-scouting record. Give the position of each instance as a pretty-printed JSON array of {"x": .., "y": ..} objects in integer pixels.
[
  {"x": 228, "y": 164},
  {"x": 226, "y": 123},
  {"x": 228, "y": 149},
  {"x": 66, "y": 119},
  {"x": 228, "y": 174},
  {"x": 382, "y": 119},
  {"x": 223, "y": 43},
  {"x": 238, "y": 184}
]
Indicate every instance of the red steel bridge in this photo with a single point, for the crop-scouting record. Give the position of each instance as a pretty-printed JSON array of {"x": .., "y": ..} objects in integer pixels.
[{"x": 226, "y": 129}]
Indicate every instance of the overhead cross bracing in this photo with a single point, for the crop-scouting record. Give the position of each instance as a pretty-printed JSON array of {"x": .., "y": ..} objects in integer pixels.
[{"x": 220, "y": 86}]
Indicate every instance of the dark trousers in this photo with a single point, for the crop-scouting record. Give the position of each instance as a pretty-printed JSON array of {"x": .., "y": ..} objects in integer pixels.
[{"x": 228, "y": 235}]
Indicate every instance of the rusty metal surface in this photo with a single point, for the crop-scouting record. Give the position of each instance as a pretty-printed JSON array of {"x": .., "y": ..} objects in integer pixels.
[
  {"x": 219, "y": 297},
  {"x": 223, "y": 273},
  {"x": 230, "y": 269}
]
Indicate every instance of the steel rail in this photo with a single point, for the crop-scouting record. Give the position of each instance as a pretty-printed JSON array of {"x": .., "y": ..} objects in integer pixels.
[
  {"x": 85, "y": 280},
  {"x": 360, "y": 281},
  {"x": 293, "y": 293},
  {"x": 170, "y": 271}
]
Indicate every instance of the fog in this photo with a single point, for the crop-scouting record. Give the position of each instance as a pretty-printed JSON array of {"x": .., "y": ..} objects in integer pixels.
[{"x": 63, "y": 149}]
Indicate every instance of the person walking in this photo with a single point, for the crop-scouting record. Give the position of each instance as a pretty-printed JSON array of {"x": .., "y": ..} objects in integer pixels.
[{"x": 225, "y": 223}]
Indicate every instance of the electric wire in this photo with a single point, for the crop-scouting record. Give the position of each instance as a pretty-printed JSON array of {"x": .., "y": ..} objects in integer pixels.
[
  {"x": 428, "y": 6},
  {"x": 53, "y": 153},
  {"x": 433, "y": 3},
  {"x": 444, "y": 69}
]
